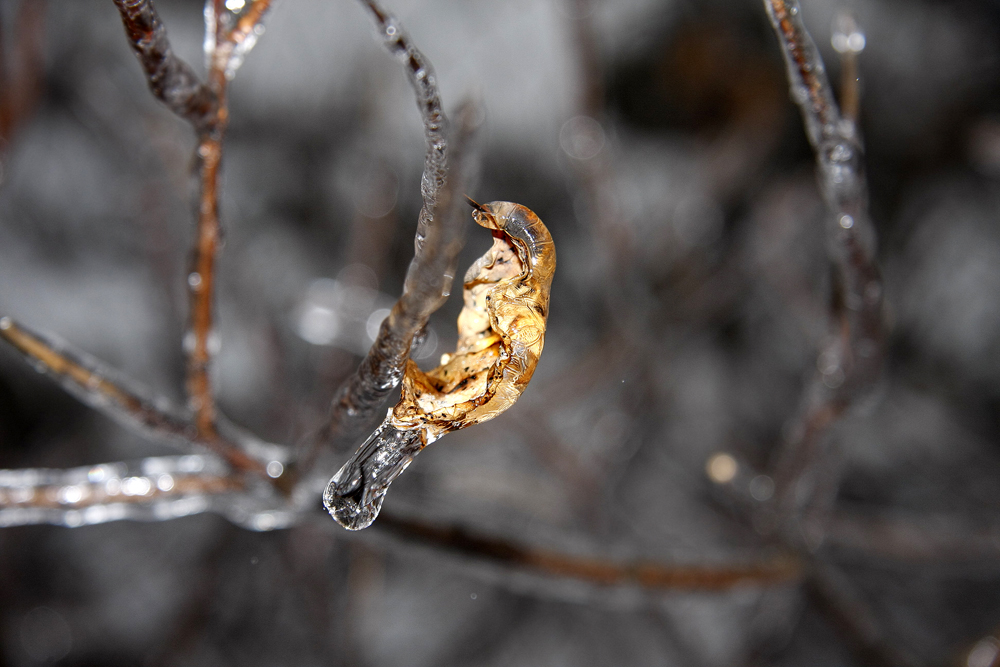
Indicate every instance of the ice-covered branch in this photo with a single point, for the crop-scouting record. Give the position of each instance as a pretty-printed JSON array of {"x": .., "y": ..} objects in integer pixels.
[
  {"x": 106, "y": 390},
  {"x": 849, "y": 363},
  {"x": 170, "y": 78},
  {"x": 439, "y": 238},
  {"x": 152, "y": 489}
]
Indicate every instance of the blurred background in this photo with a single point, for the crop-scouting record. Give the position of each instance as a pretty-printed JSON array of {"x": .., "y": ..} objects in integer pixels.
[{"x": 657, "y": 141}]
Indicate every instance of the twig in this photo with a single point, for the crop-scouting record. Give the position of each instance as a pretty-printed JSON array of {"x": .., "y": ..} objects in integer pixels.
[
  {"x": 836, "y": 597},
  {"x": 922, "y": 539},
  {"x": 21, "y": 76},
  {"x": 108, "y": 391},
  {"x": 848, "y": 41},
  {"x": 152, "y": 489},
  {"x": 171, "y": 79},
  {"x": 647, "y": 575},
  {"x": 205, "y": 106},
  {"x": 850, "y": 363},
  {"x": 439, "y": 238}
]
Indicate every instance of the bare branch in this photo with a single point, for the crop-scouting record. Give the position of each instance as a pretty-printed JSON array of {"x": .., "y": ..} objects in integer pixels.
[
  {"x": 106, "y": 390},
  {"x": 22, "y": 71},
  {"x": 647, "y": 575},
  {"x": 941, "y": 538},
  {"x": 836, "y": 596},
  {"x": 170, "y": 78}
]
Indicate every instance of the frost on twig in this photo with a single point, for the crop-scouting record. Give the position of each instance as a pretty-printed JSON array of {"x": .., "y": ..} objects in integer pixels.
[
  {"x": 104, "y": 389},
  {"x": 850, "y": 362},
  {"x": 152, "y": 489},
  {"x": 439, "y": 239}
]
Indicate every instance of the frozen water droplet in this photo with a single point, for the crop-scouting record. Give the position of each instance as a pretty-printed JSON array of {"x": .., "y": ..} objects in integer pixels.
[
  {"x": 274, "y": 469},
  {"x": 846, "y": 221},
  {"x": 5, "y": 323},
  {"x": 354, "y": 496},
  {"x": 194, "y": 280}
]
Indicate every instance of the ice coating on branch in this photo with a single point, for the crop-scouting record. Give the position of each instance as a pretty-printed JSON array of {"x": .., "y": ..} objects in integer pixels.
[
  {"x": 849, "y": 362},
  {"x": 152, "y": 489},
  {"x": 170, "y": 78},
  {"x": 244, "y": 34},
  {"x": 438, "y": 240},
  {"x": 840, "y": 162},
  {"x": 501, "y": 332},
  {"x": 96, "y": 384},
  {"x": 103, "y": 388}
]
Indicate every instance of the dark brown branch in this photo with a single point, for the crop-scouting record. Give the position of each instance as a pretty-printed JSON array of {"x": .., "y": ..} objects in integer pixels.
[
  {"x": 104, "y": 389},
  {"x": 836, "y": 597},
  {"x": 922, "y": 539},
  {"x": 22, "y": 71},
  {"x": 171, "y": 79},
  {"x": 652, "y": 576}
]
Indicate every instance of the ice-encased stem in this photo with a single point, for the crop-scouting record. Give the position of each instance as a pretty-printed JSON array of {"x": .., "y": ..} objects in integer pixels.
[
  {"x": 171, "y": 79},
  {"x": 355, "y": 494},
  {"x": 438, "y": 240},
  {"x": 850, "y": 362},
  {"x": 103, "y": 388},
  {"x": 158, "y": 488}
]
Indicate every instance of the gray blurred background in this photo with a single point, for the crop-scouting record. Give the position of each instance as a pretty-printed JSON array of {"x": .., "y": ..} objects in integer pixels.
[{"x": 688, "y": 308}]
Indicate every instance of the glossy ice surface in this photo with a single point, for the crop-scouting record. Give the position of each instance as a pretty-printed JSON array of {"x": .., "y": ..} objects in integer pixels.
[{"x": 501, "y": 332}]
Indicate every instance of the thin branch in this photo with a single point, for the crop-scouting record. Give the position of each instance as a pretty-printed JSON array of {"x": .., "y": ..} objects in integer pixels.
[
  {"x": 646, "y": 575},
  {"x": 836, "y": 597},
  {"x": 201, "y": 284},
  {"x": 152, "y": 489},
  {"x": 850, "y": 362},
  {"x": 848, "y": 41},
  {"x": 205, "y": 106},
  {"x": 22, "y": 71},
  {"x": 932, "y": 538},
  {"x": 439, "y": 238},
  {"x": 170, "y": 78},
  {"x": 106, "y": 390}
]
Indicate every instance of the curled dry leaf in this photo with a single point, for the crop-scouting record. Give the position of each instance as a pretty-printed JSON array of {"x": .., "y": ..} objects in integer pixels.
[{"x": 501, "y": 331}]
